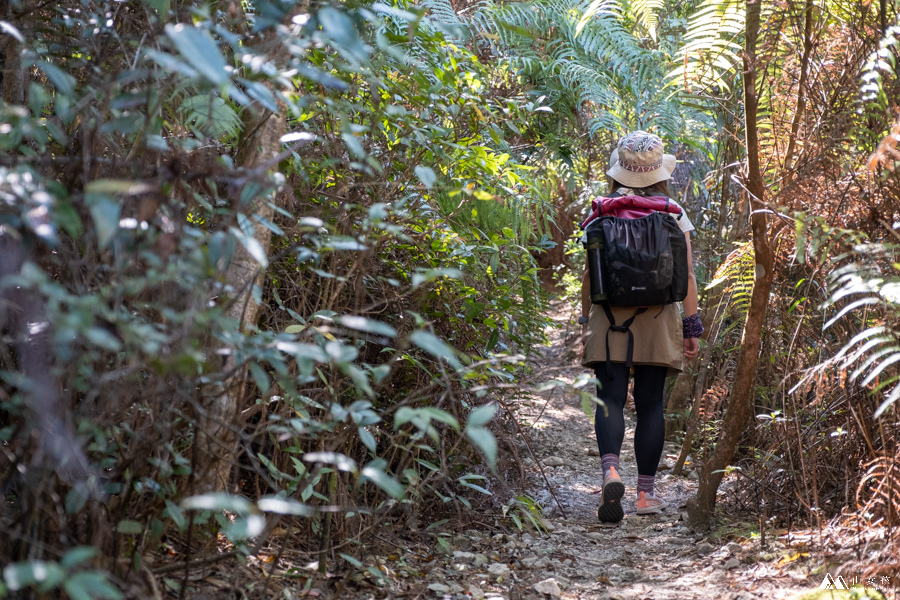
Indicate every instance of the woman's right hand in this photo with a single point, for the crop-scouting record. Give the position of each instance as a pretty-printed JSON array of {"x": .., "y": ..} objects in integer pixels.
[{"x": 691, "y": 347}]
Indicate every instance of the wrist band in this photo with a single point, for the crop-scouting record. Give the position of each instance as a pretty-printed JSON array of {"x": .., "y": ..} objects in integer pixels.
[{"x": 692, "y": 326}]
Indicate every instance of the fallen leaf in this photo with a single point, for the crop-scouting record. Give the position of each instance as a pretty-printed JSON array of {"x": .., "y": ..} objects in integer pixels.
[{"x": 789, "y": 558}]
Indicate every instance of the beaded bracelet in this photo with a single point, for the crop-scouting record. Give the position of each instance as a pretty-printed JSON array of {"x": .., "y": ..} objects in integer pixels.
[{"x": 692, "y": 326}]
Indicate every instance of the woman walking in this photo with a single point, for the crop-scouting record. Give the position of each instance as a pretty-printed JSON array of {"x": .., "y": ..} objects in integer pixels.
[{"x": 662, "y": 342}]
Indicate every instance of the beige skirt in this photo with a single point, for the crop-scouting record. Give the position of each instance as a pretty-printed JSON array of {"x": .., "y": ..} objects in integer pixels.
[{"x": 657, "y": 337}]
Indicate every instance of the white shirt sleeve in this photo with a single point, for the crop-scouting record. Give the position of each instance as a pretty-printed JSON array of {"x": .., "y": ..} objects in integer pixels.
[{"x": 684, "y": 222}]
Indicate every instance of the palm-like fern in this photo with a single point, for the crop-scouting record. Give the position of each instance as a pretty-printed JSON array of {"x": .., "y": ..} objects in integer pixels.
[
  {"x": 737, "y": 274},
  {"x": 713, "y": 42},
  {"x": 646, "y": 13},
  {"x": 210, "y": 115},
  {"x": 871, "y": 357},
  {"x": 882, "y": 62},
  {"x": 581, "y": 54}
]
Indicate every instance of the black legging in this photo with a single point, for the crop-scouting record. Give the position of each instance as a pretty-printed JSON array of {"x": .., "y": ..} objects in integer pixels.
[{"x": 650, "y": 433}]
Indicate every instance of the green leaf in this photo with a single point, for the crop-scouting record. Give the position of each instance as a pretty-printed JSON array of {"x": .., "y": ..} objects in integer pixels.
[
  {"x": 285, "y": 506},
  {"x": 432, "y": 274},
  {"x": 367, "y": 438},
  {"x": 482, "y": 415},
  {"x": 426, "y": 176},
  {"x": 78, "y": 555},
  {"x": 252, "y": 245},
  {"x": 351, "y": 560},
  {"x": 367, "y": 325},
  {"x": 174, "y": 512},
  {"x": 24, "y": 574},
  {"x": 374, "y": 472},
  {"x": 353, "y": 145},
  {"x": 199, "y": 49},
  {"x": 11, "y": 30},
  {"x": 492, "y": 340},
  {"x": 105, "y": 212},
  {"x": 91, "y": 585},
  {"x": 435, "y": 346},
  {"x": 343, "y": 33},
  {"x": 218, "y": 501},
  {"x": 64, "y": 82},
  {"x": 484, "y": 441},
  {"x": 129, "y": 527},
  {"x": 118, "y": 186},
  {"x": 75, "y": 500},
  {"x": 440, "y": 415},
  {"x": 340, "y": 462},
  {"x": 422, "y": 416},
  {"x": 102, "y": 338},
  {"x": 360, "y": 379},
  {"x": 260, "y": 378},
  {"x": 160, "y": 6}
]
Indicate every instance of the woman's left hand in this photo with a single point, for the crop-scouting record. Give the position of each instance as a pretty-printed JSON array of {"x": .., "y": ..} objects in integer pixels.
[{"x": 691, "y": 347}]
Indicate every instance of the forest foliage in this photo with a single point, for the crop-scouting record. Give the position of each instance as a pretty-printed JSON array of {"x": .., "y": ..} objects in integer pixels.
[{"x": 425, "y": 158}]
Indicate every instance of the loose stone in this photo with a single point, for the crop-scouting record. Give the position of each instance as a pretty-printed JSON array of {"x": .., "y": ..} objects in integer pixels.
[
  {"x": 499, "y": 570},
  {"x": 466, "y": 558},
  {"x": 548, "y": 587}
]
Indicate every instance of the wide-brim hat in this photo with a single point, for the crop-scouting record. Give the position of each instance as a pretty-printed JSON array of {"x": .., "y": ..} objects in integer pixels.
[{"x": 638, "y": 160}]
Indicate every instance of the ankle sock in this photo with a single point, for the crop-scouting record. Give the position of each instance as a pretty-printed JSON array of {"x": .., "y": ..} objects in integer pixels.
[
  {"x": 609, "y": 460},
  {"x": 645, "y": 484}
]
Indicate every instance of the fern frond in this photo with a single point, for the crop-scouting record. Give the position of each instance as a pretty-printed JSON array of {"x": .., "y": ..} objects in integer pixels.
[
  {"x": 646, "y": 13},
  {"x": 881, "y": 62},
  {"x": 710, "y": 55},
  {"x": 209, "y": 115},
  {"x": 737, "y": 272}
]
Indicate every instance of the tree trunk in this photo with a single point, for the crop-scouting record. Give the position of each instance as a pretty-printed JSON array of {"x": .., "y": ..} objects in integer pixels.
[
  {"x": 260, "y": 144},
  {"x": 679, "y": 400},
  {"x": 801, "y": 91},
  {"x": 740, "y": 405},
  {"x": 12, "y": 74}
]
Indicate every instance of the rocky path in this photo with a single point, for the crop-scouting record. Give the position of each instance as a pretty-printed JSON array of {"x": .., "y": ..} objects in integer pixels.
[
  {"x": 577, "y": 558},
  {"x": 643, "y": 557}
]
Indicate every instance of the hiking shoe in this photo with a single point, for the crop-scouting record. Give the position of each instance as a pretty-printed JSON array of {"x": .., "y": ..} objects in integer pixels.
[
  {"x": 649, "y": 504},
  {"x": 610, "y": 510}
]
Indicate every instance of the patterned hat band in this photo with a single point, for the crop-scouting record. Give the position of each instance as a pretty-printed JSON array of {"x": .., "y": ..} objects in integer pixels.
[{"x": 636, "y": 168}]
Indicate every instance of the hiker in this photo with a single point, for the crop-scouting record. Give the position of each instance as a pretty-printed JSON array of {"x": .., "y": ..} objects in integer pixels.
[{"x": 662, "y": 340}]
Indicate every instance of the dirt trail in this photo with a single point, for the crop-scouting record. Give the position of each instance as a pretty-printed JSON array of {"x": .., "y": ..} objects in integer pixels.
[{"x": 643, "y": 557}]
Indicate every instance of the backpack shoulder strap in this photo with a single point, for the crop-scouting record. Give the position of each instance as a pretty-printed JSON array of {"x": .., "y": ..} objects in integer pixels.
[{"x": 623, "y": 328}]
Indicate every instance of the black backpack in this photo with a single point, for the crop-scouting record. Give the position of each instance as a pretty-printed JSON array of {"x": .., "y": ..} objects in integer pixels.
[
  {"x": 643, "y": 261},
  {"x": 637, "y": 262}
]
